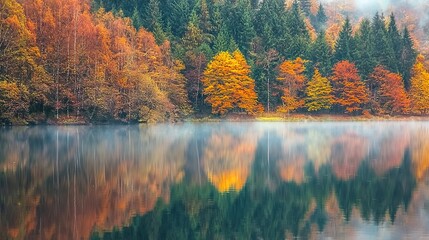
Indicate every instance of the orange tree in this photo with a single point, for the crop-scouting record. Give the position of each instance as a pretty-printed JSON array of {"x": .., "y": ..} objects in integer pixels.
[
  {"x": 350, "y": 93},
  {"x": 292, "y": 79},
  {"x": 388, "y": 92},
  {"x": 228, "y": 86}
]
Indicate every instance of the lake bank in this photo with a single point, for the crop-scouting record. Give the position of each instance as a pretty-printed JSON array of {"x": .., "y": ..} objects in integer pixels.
[{"x": 237, "y": 118}]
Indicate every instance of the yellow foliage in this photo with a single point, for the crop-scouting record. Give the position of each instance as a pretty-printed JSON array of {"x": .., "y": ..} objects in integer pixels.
[
  {"x": 319, "y": 93},
  {"x": 419, "y": 91},
  {"x": 228, "y": 86}
]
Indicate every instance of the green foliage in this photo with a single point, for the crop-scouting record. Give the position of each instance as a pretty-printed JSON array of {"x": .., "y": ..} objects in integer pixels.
[{"x": 345, "y": 46}]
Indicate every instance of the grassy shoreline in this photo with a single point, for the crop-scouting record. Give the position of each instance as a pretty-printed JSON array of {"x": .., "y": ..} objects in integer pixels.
[{"x": 272, "y": 117}]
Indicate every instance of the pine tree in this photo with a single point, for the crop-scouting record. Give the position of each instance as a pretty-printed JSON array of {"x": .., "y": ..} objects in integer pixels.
[
  {"x": 419, "y": 91},
  {"x": 394, "y": 38},
  {"x": 319, "y": 93},
  {"x": 223, "y": 42},
  {"x": 408, "y": 57},
  {"x": 320, "y": 54},
  {"x": 383, "y": 51},
  {"x": 321, "y": 19},
  {"x": 305, "y": 6},
  {"x": 297, "y": 37},
  {"x": 178, "y": 16},
  {"x": 241, "y": 25},
  {"x": 137, "y": 22},
  {"x": 204, "y": 14},
  {"x": 155, "y": 21},
  {"x": 345, "y": 45},
  {"x": 364, "y": 49}
]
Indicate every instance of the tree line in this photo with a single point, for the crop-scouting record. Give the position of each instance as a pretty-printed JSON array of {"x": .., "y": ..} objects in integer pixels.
[{"x": 157, "y": 60}]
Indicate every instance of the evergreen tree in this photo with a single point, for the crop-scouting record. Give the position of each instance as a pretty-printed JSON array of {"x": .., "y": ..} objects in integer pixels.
[
  {"x": 383, "y": 51},
  {"x": 364, "y": 49},
  {"x": 204, "y": 14},
  {"x": 178, "y": 15},
  {"x": 408, "y": 57},
  {"x": 305, "y": 6},
  {"x": 137, "y": 22},
  {"x": 395, "y": 43},
  {"x": 155, "y": 21},
  {"x": 270, "y": 24},
  {"x": 240, "y": 24},
  {"x": 297, "y": 39},
  {"x": 345, "y": 45},
  {"x": 223, "y": 42},
  {"x": 320, "y": 55},
  {"x": 321, "y": 19}
]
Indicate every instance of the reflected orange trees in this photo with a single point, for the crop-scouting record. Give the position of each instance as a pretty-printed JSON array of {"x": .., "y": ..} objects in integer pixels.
[
  {"x": 420, "y": 153},
  {"x": 101, "y": 179},
  {"x": 228, "y": 157}
]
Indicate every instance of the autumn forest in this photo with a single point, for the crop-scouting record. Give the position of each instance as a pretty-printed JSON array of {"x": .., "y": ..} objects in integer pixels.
[{"x": 82, "y": 61}]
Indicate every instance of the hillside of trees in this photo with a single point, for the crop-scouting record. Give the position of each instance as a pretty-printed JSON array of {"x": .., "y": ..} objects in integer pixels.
[{"x": 159, "y": 60}]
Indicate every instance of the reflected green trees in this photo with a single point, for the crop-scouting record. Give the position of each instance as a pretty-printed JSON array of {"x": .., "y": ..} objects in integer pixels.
[
  {"x": 207, "y": 181},
  {"x": 270, "y": 206}
]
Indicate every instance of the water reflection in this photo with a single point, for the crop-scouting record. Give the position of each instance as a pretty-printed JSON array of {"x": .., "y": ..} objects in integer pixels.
[{"x": 215, "y": 181}]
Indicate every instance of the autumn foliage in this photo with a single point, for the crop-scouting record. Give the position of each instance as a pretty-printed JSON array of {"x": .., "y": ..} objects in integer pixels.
[
  {"x": 419, "y": 92},
  {"x": 74, "y": 61},
  {"x": 292, "y": 79},
  {"x": 388, "y": 92},
  {"x": 319, "y": 93},
  {"x": 228, "y": 85},
  {"x": 350, "y": 93}
]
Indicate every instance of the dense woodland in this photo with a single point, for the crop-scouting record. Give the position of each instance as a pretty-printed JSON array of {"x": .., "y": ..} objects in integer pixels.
[{"x": 159, "y": 60}]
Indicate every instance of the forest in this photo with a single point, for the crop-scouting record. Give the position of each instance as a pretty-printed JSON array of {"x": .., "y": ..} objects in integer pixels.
[{"x": 82, "y": 61}]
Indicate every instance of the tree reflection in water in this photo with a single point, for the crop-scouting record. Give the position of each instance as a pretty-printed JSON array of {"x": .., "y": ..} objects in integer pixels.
[{"x": 210, "y": 181}]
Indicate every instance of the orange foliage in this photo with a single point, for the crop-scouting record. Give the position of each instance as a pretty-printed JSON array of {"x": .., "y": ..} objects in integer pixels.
[
  {"x": 291, "y": 76},
  {"x": 349, "y": 91},
  {"x": 420, "y": 157},
  {"x": 388, "y": 92},
  {"x": 348, "y": 151},
  {"x": 228, "y": 159},
  {"x": 228, "y": 85}
]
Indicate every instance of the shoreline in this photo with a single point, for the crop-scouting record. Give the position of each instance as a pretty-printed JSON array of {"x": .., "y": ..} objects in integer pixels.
[{"x": 292, "y": 118}]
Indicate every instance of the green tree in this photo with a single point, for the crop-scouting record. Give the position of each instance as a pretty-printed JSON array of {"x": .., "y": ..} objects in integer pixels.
[
  {"x": 383, "y": 50},
  {"x": 345, "y": 45},
  {"x": 365, "y": 60},
  {"x": 240, "y": 24},
  {"x": 320, "y": 54},
  {"x": 408, "y": 57},
  {"x": 320, "y": 19},
  {"x": 395, "y": 40},
  {"x": 297, "y": 38}
]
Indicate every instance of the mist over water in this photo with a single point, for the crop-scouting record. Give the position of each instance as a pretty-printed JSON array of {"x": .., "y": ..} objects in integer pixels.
[{"x": 215, "y": 180}]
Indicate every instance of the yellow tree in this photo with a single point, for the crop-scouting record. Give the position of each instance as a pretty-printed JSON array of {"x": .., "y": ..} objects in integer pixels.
[
  {"x": 319, "y": 93},
  {"x": 228, "y": 86},
  {"x": 291, "y": 75},
  {"x": 419, "y": 91}
]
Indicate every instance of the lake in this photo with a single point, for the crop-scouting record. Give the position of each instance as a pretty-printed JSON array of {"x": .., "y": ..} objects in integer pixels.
[{"x": 251, "y": 180}]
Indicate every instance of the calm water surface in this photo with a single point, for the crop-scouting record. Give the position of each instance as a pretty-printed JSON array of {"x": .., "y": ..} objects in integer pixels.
[{"x": 216, "y": 181}]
